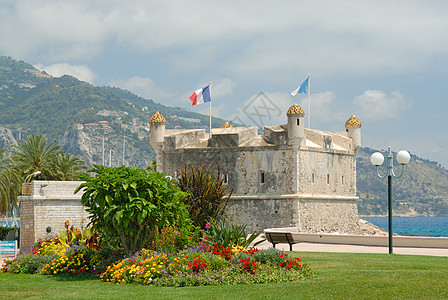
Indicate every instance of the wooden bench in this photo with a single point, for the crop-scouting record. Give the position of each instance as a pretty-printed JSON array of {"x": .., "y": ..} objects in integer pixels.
[{"x": 280, "y": 238}]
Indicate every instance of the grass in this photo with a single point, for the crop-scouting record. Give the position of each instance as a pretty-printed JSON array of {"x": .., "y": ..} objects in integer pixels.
[{"x": 339, "y": 275}]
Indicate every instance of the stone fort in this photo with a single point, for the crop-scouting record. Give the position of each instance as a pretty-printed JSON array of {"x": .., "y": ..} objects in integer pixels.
[{"x": 290, "y": 176}]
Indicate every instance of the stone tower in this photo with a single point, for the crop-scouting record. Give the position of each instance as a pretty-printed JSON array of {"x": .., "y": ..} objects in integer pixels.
[
  {"x": 353, "y": 127},
  {"x": 296, "y": 131},
  {"x": 157, "y": 136}
]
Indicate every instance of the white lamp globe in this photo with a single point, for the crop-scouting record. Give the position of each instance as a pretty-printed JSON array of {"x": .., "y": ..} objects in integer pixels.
[
  {"x": 403, "y": 157},
  {"x": 377, "y": 159}
]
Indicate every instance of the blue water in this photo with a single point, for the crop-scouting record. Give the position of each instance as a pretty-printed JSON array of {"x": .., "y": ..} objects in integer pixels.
[
  {"x": 8, "y": 223},
  {"x": 420, "y": 226}
]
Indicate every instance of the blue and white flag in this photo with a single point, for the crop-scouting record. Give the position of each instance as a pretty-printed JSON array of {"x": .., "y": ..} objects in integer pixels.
[{"x": 303, "y": 88}]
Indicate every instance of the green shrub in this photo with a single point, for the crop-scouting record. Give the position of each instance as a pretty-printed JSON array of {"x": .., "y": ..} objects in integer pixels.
[
  {"x": 129, "y": 203},
  {"x": 208, "y": 196},
  {"x": 37, "y": 262},
  {"x": 239, "y": 256},
  {"x": 214, "y": 262},
  {"x": 270, "y": 256},
  {"x": 28, "y": 263},
  {"x": 5, "y": 230},
  {"x": 173, "y": 238},
  {"x": 219, "y": 233}
]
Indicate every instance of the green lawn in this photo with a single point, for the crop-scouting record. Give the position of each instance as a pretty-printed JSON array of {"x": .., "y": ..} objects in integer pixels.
[{"x": 339, "y": 275}]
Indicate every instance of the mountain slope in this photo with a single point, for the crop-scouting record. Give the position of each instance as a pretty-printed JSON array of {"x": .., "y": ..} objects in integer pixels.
[
  {"x": 74, "y": 112},
  {"x": 422, "y": 190}
]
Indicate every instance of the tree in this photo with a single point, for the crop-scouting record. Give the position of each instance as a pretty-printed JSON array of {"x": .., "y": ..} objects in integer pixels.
[
  {"x": 10, "y": 183},
  {"x": 36, "y": 154},
  {"x": 130, "y": 203},
  {"x": 69, "y": 167},
  {"x": 208, "y": 196}
]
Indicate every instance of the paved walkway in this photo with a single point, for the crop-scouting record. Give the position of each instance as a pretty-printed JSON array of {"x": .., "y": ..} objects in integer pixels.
[{"x": 318, "y": 247}]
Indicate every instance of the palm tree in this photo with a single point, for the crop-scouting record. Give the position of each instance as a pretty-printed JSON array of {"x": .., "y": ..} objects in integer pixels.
[
  {"x": 36, "y": 154},
  {"x": 69, "y": 167},
  {"x": 10, "y": 183}
]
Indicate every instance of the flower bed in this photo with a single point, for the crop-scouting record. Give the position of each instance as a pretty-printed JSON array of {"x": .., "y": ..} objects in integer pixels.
[
  {"x": 78, "y": 252},
  {"x": 190, "y": 268},
  {"x": 195, "y": 266}
]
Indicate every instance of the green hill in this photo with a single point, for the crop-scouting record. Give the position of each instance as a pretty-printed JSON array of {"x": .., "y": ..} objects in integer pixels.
[
  {"x": 79, "y": 116},
  {"x": 422, "y": 190}
]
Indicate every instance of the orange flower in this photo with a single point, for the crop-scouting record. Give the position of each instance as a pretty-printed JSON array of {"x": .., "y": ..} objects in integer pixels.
[{"x": 67, "y": 223}]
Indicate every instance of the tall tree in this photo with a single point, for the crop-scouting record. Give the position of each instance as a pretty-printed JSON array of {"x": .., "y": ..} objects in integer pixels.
[
  {"x": 10, "y": 183},
  {"x": 36, "y": 154},
  {"x": 69, "y": 167}
]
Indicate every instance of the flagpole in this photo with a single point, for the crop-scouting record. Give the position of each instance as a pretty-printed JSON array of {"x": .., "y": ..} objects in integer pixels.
[
  {"x": 210, "y": 107},
  {"x": 309, "y": 101}
]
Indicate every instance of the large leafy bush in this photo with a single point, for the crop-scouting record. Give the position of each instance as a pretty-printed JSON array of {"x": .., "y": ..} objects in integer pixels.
[{"x": 130, "y": 203}]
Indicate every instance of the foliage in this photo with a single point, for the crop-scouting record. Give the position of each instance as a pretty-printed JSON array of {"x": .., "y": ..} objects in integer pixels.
[
  {"x": 28, "y": 263},
  {"x": 72, "y": 235},
  {"x": 270, "y": 256},
  {"x": 129, "y": 203},
  {"x": 172, "y": 238},
  {"x": 219, "y": 233},
  {"x": 208, "y": 195},
  {"x": 195, "y": 266},
  {"x": 5, "y": 230},
  {"x": 69, "y": 167},
  {"x": 152, "y": 166},
  {"x": 36, "y": 154},
  {"x": 49, "y": 247},
  {"x": 77, "y": 262},
  {"x": 197, "y": 269},
  {"x": 10, "y": 183}
]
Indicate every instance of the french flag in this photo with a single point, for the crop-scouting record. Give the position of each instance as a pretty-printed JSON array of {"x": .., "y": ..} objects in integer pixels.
[{"x": 201, "y": 96}]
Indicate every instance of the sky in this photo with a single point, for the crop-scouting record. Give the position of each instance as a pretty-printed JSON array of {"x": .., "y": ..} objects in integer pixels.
[{"x": 386, "y": 62}]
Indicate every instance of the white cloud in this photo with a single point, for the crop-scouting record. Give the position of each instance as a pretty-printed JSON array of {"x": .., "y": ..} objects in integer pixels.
[
  {"x": 222, "y": 87},
  {"x": 360, "y": 37},
  {"x": 143, "y": 87},
  {"x": 82, "y": 72},
  {"x": 377, "y": 105},
  {"x": 270, "y": 109}
]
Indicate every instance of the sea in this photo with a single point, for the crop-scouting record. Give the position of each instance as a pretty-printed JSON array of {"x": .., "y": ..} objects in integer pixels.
[{"x": 413, "y": 226}]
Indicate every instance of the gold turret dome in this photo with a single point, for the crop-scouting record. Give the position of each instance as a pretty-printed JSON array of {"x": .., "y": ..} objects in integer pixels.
[
  {"x": 157, "y": 118},
  {"x": 295, "y": 110},
  {"x": 352, "y": 121},
  {"x": 226, "y": 125}
]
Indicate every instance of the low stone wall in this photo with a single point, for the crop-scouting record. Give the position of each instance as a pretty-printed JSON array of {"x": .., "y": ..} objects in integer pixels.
[
  {"x": 313, "y": 214},
  {"x": 50, "y": 204}
]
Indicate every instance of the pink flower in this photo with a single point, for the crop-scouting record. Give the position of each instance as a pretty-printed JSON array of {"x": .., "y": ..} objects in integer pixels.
[{"x": 207, "y": 225}]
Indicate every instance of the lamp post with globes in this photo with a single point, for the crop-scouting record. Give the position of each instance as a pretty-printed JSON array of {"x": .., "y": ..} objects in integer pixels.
[{"x": 377, "y": 159}]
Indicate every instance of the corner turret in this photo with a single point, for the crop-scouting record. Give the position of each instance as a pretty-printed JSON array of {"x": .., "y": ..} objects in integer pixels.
[
  {"x": 156, "y": 130},
  {"x": 353, "y": 127},
  {"x": 226, "y": 125},
  {"x": 296, "y": 131}
]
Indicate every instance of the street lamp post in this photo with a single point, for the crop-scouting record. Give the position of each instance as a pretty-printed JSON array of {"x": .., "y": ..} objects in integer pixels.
[
  {"x": 377, "y": 159},
  {"x": 37, "y": 173}
]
